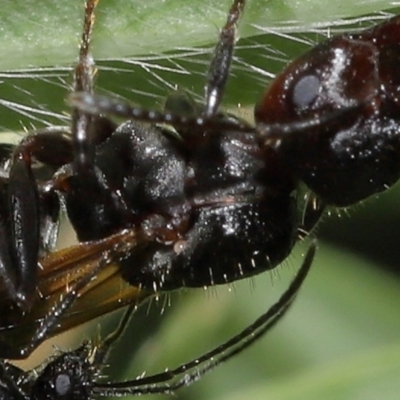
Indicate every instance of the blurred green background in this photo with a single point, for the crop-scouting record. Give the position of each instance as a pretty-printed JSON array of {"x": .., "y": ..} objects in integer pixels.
[{"x": 341, "y": 339}]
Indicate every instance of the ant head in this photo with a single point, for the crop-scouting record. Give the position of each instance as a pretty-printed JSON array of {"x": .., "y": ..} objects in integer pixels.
[
  {"x": 335, "y": 75},
  {"x": 67, "y": 376},
  {"x": 332, "y": 113}
]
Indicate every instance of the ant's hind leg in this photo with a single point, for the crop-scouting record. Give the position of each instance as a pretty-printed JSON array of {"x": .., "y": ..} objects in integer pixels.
[
  {"x": 169, "y": 381},
  {"x": 103, "y": 349}
]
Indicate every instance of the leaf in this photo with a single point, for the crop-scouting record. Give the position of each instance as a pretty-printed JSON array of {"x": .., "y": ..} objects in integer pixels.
[
  {"x": 37, "y": 33},
  {"x": 40, "y": 43}
]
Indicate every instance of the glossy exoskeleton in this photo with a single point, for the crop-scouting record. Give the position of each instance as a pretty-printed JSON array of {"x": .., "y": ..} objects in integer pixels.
[
  {"x": 330, "y": 118},
  {"x": 207, "y": 200},
  {"x": 75, "y": 375},
  {"x": 166, "y": 208}
]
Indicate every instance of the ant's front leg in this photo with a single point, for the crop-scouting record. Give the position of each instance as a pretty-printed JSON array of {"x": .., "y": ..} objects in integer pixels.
[
  {"x": 83, "y": 81},
  {"x": 97, "y": 218},
  {"x": 180, "y": 111},
  {"x": 25, "y": 211},
  {"x": 220, "y": 65}
]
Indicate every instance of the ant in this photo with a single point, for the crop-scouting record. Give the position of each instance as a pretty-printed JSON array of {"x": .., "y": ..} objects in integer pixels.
[
  {"x": 207, "y": 200},
  {"x": 184, "y": 208},
  {"x": 74, "y": 374}
]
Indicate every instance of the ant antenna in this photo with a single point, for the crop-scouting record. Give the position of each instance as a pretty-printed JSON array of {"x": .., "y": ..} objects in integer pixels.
[{"x": 186, "y": 374}]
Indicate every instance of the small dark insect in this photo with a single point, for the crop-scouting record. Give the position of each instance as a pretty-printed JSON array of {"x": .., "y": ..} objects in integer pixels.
[
  {"x": 157, "y": 209},
  {"x": 208, "y": 200},
  {"x": 74, "y": 375}
]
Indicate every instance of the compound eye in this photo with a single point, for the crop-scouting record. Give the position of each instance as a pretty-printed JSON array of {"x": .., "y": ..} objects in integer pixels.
[
  {"x": 63, "y": 384},
  {"x": 305, "y": 91}
]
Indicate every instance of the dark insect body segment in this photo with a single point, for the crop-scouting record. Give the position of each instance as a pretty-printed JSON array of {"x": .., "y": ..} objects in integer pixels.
[
  {"x": 207, "y": 200},
  {"x": 358, "y": 156},
  {"x": 211, "y": 206},
  {"x": 216, "y": 206},
  {"x": 75, "y": 374}
]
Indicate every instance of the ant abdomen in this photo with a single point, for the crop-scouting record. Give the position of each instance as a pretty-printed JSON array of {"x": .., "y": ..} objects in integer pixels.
[{"x": 348, "y": 158}]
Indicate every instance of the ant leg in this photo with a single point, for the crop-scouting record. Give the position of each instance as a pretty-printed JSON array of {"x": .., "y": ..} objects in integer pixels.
[
  {"x": 83, "y": 81},
  {"x": 7, "y": 270},
  {"x": 218, "y": 70},
  {"x": 181, "y": 103},
  {"x": 23, "y": 211},
  {"x": 19, "y": 266},
  {"x": 68, "y": 298},
  {"x": 103, "y": 350},
  {"x": 95, "y": 104},
  {"x": 186, "y": 374},
  {"x": 59, "y": 272},
  {"x": 9, "y": 389},
  {"x": 106, "y": 258},
  {"x": 220, "y": 64},
  {"x": 188, "y": 118},
  {"x": 87, "y": 130},
  {"x": 70, "y": 375},
  {"x": 25, "y": 205}
]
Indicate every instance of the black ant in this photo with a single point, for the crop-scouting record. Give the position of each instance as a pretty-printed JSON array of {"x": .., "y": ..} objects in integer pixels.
[
  {"x": 187, "y": 208},
  {"x": 75, "y": 374},
  {"x": 209, "y": 202}
]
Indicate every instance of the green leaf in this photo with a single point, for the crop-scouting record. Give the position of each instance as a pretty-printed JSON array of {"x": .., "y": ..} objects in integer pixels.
[
  {"x": 40, "y": 43},
  {"x": 46, "y": 33}
]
